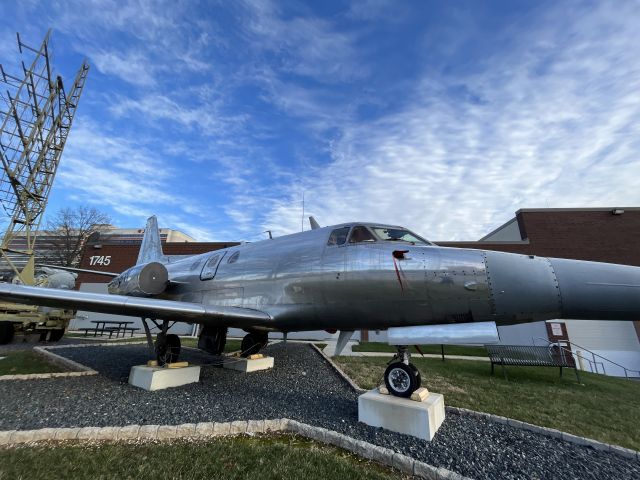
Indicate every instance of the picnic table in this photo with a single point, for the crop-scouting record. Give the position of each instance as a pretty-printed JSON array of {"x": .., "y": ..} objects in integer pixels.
[{"x": 114, "y": 326}]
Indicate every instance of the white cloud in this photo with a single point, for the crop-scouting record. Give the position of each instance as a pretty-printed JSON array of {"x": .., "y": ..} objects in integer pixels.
[
  {"x": 127, "y": 176},
  {"x": 132, "y": 67},
  {"x": 305, "y": 45},
  {"x": 553, "y": 121}
]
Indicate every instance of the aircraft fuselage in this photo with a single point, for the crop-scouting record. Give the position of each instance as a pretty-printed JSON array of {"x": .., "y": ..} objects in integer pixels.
[{"x": 305, "y": 284}]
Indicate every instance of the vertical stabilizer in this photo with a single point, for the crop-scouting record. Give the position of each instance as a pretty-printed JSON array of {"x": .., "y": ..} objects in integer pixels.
[
  {"x": 314, "y": 223},
  {"x": 151, "y": 248}
]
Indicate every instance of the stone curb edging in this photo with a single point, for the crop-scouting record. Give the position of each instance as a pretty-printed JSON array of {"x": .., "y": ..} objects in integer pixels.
[
  {"x": 552, "y": 432},
  {"x": 548, "y": 432},
  {"x": 364, "y": 449},
  {"x": 344, "y": 376},
  {"x": 79, "y": 369}
]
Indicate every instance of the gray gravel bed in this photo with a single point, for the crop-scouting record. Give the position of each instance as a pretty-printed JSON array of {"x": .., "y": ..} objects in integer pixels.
[{"x": 303, "y": 387}]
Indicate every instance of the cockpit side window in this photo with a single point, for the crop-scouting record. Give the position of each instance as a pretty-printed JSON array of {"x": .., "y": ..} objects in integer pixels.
[
  {"x": 361, "y": 234},
  {"x": 338, "y": 236},
  {"x": 399, "y": 235},
  {"x": 209, "y": 269}
]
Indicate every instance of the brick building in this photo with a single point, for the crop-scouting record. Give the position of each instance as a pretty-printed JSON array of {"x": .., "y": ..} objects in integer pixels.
[{"x": 597, "y": 234}]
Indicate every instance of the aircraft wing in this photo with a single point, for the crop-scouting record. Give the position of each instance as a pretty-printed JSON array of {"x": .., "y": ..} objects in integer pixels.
[{"x": 134, "y": 306}]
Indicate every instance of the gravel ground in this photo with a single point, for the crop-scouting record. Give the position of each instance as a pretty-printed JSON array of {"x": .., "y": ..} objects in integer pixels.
[{"x": 303, "y": 387}]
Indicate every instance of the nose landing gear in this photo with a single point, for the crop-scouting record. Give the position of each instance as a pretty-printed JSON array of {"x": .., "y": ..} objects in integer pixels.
[{"x": 401, "y": 377}]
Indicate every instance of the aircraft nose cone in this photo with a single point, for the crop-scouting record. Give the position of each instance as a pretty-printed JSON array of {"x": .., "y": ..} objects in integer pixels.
[{"x": 600, "y": 291}]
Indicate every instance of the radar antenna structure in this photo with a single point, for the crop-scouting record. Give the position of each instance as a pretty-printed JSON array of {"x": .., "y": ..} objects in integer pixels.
[{"x": 35, "y": 118}]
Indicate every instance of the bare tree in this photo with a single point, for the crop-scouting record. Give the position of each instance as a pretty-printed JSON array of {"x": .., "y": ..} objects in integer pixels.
[{"x": 67, "y": 232}]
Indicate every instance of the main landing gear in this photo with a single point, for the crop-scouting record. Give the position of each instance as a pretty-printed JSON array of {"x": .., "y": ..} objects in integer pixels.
[
  {"x": 401, "y": 377},
  {"x": 212, "y": 340},
  {"x": 167, "y": 348},
  {"x": 253, "y": 342},
  {"x": 167, "y": 345}
]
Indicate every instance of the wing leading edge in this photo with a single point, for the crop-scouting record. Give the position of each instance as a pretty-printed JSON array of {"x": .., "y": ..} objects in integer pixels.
[{"x": 135, "y": 306}]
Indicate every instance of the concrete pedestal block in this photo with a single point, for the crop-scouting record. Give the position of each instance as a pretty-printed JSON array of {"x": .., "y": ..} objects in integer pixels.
[
  {"x": 248, "y": 365},
  {"x": 158, "y": 378},
  {"x": 419, "y": 419}
]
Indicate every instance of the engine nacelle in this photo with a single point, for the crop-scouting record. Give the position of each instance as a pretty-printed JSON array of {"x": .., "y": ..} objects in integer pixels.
[{"x": 141, "y": 281}]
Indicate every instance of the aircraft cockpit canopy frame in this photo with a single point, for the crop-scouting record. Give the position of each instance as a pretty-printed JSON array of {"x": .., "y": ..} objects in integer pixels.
[{"x": 363, "y": 233}]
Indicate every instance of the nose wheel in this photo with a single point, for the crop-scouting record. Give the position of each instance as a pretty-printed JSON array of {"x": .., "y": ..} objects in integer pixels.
[{"x": 401, "y": 377}]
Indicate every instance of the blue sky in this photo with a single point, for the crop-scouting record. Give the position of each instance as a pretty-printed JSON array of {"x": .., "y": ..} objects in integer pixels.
[{"x": 445, "y": 117}]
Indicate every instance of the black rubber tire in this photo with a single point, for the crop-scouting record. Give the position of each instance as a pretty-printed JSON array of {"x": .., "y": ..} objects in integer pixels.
[
  {"x": 56, "y": 335},
  {"x": 6, "y": 332},
  {"x": 167, "y": 348},
  {"x": 213, "y": 340},
  {"x": 417, "y": 373},
  {"x": 401, "y": 379},
  {"x": 252, "y": 343}
]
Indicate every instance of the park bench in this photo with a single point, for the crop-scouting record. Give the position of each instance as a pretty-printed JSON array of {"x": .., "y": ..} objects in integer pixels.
[
  {"x": 110, "y": 330},
  {"x": 130, "y": 330},
  {"x": 93, "y": 330},
  {"x": 531, "y": 356}
]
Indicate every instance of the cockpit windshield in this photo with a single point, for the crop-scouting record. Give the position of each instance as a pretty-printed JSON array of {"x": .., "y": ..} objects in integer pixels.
[{"x": 398, "y": 235}]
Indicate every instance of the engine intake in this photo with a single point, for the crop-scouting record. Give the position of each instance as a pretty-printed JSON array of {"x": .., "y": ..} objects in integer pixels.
[{"x": 141, "y": 281}]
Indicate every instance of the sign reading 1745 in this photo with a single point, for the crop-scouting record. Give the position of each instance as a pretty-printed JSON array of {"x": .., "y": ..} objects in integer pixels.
[{"x": 100, "y": 260}]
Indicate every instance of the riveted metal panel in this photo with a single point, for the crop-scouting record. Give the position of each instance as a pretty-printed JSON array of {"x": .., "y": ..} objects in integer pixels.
[
  {"x": 593, "y": 290},
  {"x": 523, "y": 287}
]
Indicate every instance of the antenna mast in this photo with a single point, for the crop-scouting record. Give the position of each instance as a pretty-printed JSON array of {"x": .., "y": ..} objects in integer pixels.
[{"x": 35, "y": 118}]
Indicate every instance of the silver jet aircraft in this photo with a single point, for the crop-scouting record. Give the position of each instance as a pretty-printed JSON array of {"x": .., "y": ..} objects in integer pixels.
[{"x": 348, "y": 277}]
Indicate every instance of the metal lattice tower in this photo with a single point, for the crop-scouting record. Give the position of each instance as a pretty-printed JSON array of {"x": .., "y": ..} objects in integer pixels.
[{"x": 35, "y": 119}]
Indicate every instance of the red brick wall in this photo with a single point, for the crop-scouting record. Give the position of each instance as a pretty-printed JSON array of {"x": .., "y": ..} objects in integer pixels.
[
  {"x": 124, "y": 256},
  {"x": 581, "y": 235}
]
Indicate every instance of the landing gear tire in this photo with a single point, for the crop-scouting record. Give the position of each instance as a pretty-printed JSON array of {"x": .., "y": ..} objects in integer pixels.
[
  {"x": 417, "y": 374},
  {"x": 6, "y": 332},
  {"x": 56, "y": 335},
  {"x": 212, "y": 340},
  {"x": 401, "y": 379},
  {"x": 252, "y": 343},
  {"x": 167, "y": 348}
]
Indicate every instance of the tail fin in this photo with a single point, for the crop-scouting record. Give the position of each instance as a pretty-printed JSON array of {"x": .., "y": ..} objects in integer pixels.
[
  {"x": 151, "y": 248},
  {"x": 314, "y": 223}
]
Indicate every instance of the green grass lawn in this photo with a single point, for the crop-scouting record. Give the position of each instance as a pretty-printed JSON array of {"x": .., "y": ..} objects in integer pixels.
[
  {"x": 264, "y": 457},
  {"x": 23, "y": 362},
  {"x": 603, "y": 408},
  {"x": 436, "y": 349}
]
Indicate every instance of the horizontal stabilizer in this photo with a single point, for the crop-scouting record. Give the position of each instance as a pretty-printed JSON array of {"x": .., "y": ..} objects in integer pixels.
[
  {"x": 450, "y": 334},
  {"x": 82, "y": 270}
]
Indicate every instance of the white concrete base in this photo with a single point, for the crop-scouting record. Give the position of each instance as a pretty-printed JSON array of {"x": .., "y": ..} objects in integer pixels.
[
  {"x": 247, "y": 365},
  {"x": 419, "y": 419},
  {"x": 158, "y": 378}
]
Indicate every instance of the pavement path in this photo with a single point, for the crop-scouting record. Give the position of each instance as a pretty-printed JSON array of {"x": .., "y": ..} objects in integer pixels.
[{"x": 330, "y": 349}]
